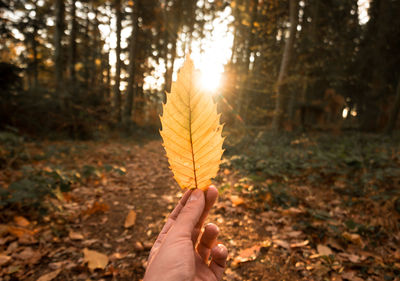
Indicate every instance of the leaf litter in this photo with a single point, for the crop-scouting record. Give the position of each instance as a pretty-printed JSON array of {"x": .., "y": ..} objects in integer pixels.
[{"x": 324, "y": 235}]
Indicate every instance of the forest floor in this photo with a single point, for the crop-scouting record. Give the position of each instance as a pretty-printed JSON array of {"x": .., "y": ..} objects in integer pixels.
[{"x": 315, "y": 215}]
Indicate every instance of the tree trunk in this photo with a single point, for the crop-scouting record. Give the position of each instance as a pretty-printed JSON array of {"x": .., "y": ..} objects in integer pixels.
[
  {"x": 132, "y": 68},
  {"x": 370, "y": 114},
  {"x": 72, "y": 48},
  {"x": 35, "y": 63},
  {"x": 394, "y": 115},
  {"x": 244, "y": 100},
  {"x": 58, "y": 56},
  {"x": 287, "y": 53},
  {"x": 117, "y": 92},
  {"x": 177, "y": 12}
]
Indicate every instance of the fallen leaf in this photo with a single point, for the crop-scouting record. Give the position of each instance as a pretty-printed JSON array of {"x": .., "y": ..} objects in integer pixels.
[
  {"x": 236, "y": 200},
  {"x": 118, "y": 256},
  {"x": 353, "y": 237},
  {"x": 94, "y": 259},
  {"x": 324, "y": 250},
  {"x": 19, "y": 231},
  {"x": 29, "y": 255},
  {"x": 351, "y": 275},
  {"x": 282, "y": 243},
  {"x": 21, "y": 221},
  {"x": 49, "y": 276},
  {"x": 97, "y": 208},
  {"x": 294, "y": 234},
  {"x": 138, "y": 246},
  {"x": 292, "y": 211},
  {"x": 4, "y": 259},
  {"x": 130, "y": 219},
  {"x": 3, "y": 230},
  {"x": 246, "y": 255},
  {"x": 351, "y": 257},
  {"x": 75, "y": 236},
  {"x": 299, "y": 244}
]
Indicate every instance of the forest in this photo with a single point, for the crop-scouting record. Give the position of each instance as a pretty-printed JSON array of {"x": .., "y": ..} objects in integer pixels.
[{"x": 309, "y": 97}]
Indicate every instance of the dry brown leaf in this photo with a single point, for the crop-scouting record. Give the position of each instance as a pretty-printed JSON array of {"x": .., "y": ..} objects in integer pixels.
[
  {"x": 324, "y": 250},
  {"x": 351, "y": 257},
  {"x": 49, "y": 276},
  {"x": 96, "y": 208},
  {"x": 354, "y": 238},
  {"x": 236, "y": 200},
  {"x": 94, "y": 259},
  {"x": 282, "y": 243},
  {"x": 21, "y": 221},
  {"x": 29, "y": 255},
  {"x": 245, "y": 255},
  {"x": 130, "y": 219},
  {"x": 4, "y": 259},
  {"x": 191, "y": 131},
  {"x": 19, "y": 231},
  {"x": 299, "y": 244},
  {"x": 75, "y": 235}
]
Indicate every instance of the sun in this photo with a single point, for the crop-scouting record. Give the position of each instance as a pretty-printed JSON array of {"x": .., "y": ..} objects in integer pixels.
[{"x": 210, "y": 79}]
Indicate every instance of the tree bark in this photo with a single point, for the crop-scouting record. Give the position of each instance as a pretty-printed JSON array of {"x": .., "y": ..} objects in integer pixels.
[
  {"x": 58, "y": 56},
  {"x": 370, "y": 112},
  {"x": 117, "y": 92},
  {"x": 132, "y": 66},
  {"x": 244, "y": 101},
  {"x": 72, "y": 47},
  {"x": 394, "y": 115},
  {"x": 177, "y": 13},
  {"x": 287, "y": 54}
]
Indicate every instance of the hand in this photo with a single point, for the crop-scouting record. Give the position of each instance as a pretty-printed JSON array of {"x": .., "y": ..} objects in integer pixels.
[{"x": 174, "y": 256}]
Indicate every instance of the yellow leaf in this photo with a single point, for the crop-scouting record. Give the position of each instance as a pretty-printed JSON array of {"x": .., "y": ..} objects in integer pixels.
[
  {"x": 191, "y": 131},
  {"x": 94, "y": 259}
]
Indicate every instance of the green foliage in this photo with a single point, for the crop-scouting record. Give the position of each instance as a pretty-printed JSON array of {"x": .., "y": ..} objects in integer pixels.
[
  {"x": 351, "y": 164},
  {"x": 12, "y": 150},
  {"x": 31, "y": 190}
]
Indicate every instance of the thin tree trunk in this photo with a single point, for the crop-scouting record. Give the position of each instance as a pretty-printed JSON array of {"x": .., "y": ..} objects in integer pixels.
[
  {"x": 394, "y": 115},
  {"x": 72, "y": 48},
  {"x": 88, "y": 52},
  {"x": 132, "y": 66},
  {"x": 35, "y": 63},
  {"x": 174, "y": 33},
  {"x": 58, "y": 56},
  {"x": 34, "y": 44},
  {"x": 244, "y": 100},
  {"x": 370, "y": 115},
  {"x": 287, "y": 53},
  {"x": 117, "y": 92}
]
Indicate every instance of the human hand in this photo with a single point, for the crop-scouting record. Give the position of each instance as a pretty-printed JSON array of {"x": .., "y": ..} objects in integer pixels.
[{"x": 174, "y": 255}]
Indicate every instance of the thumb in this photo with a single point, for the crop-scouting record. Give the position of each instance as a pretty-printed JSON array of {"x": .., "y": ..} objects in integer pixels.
[{"x": 190, "y": 214}]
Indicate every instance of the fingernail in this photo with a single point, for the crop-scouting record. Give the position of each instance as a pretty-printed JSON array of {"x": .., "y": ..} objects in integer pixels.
[{"x": 195, "y": 195}]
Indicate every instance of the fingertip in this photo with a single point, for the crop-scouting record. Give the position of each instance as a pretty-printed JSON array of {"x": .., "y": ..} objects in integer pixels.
[
  {"x": 211, "y": 194},
  {"x": 210, "y": 227},
  {"x": 219, "y": 254}
]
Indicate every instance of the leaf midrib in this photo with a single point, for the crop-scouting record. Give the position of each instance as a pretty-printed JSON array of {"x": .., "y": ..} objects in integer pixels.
[{"x": 191, "y": 141}]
